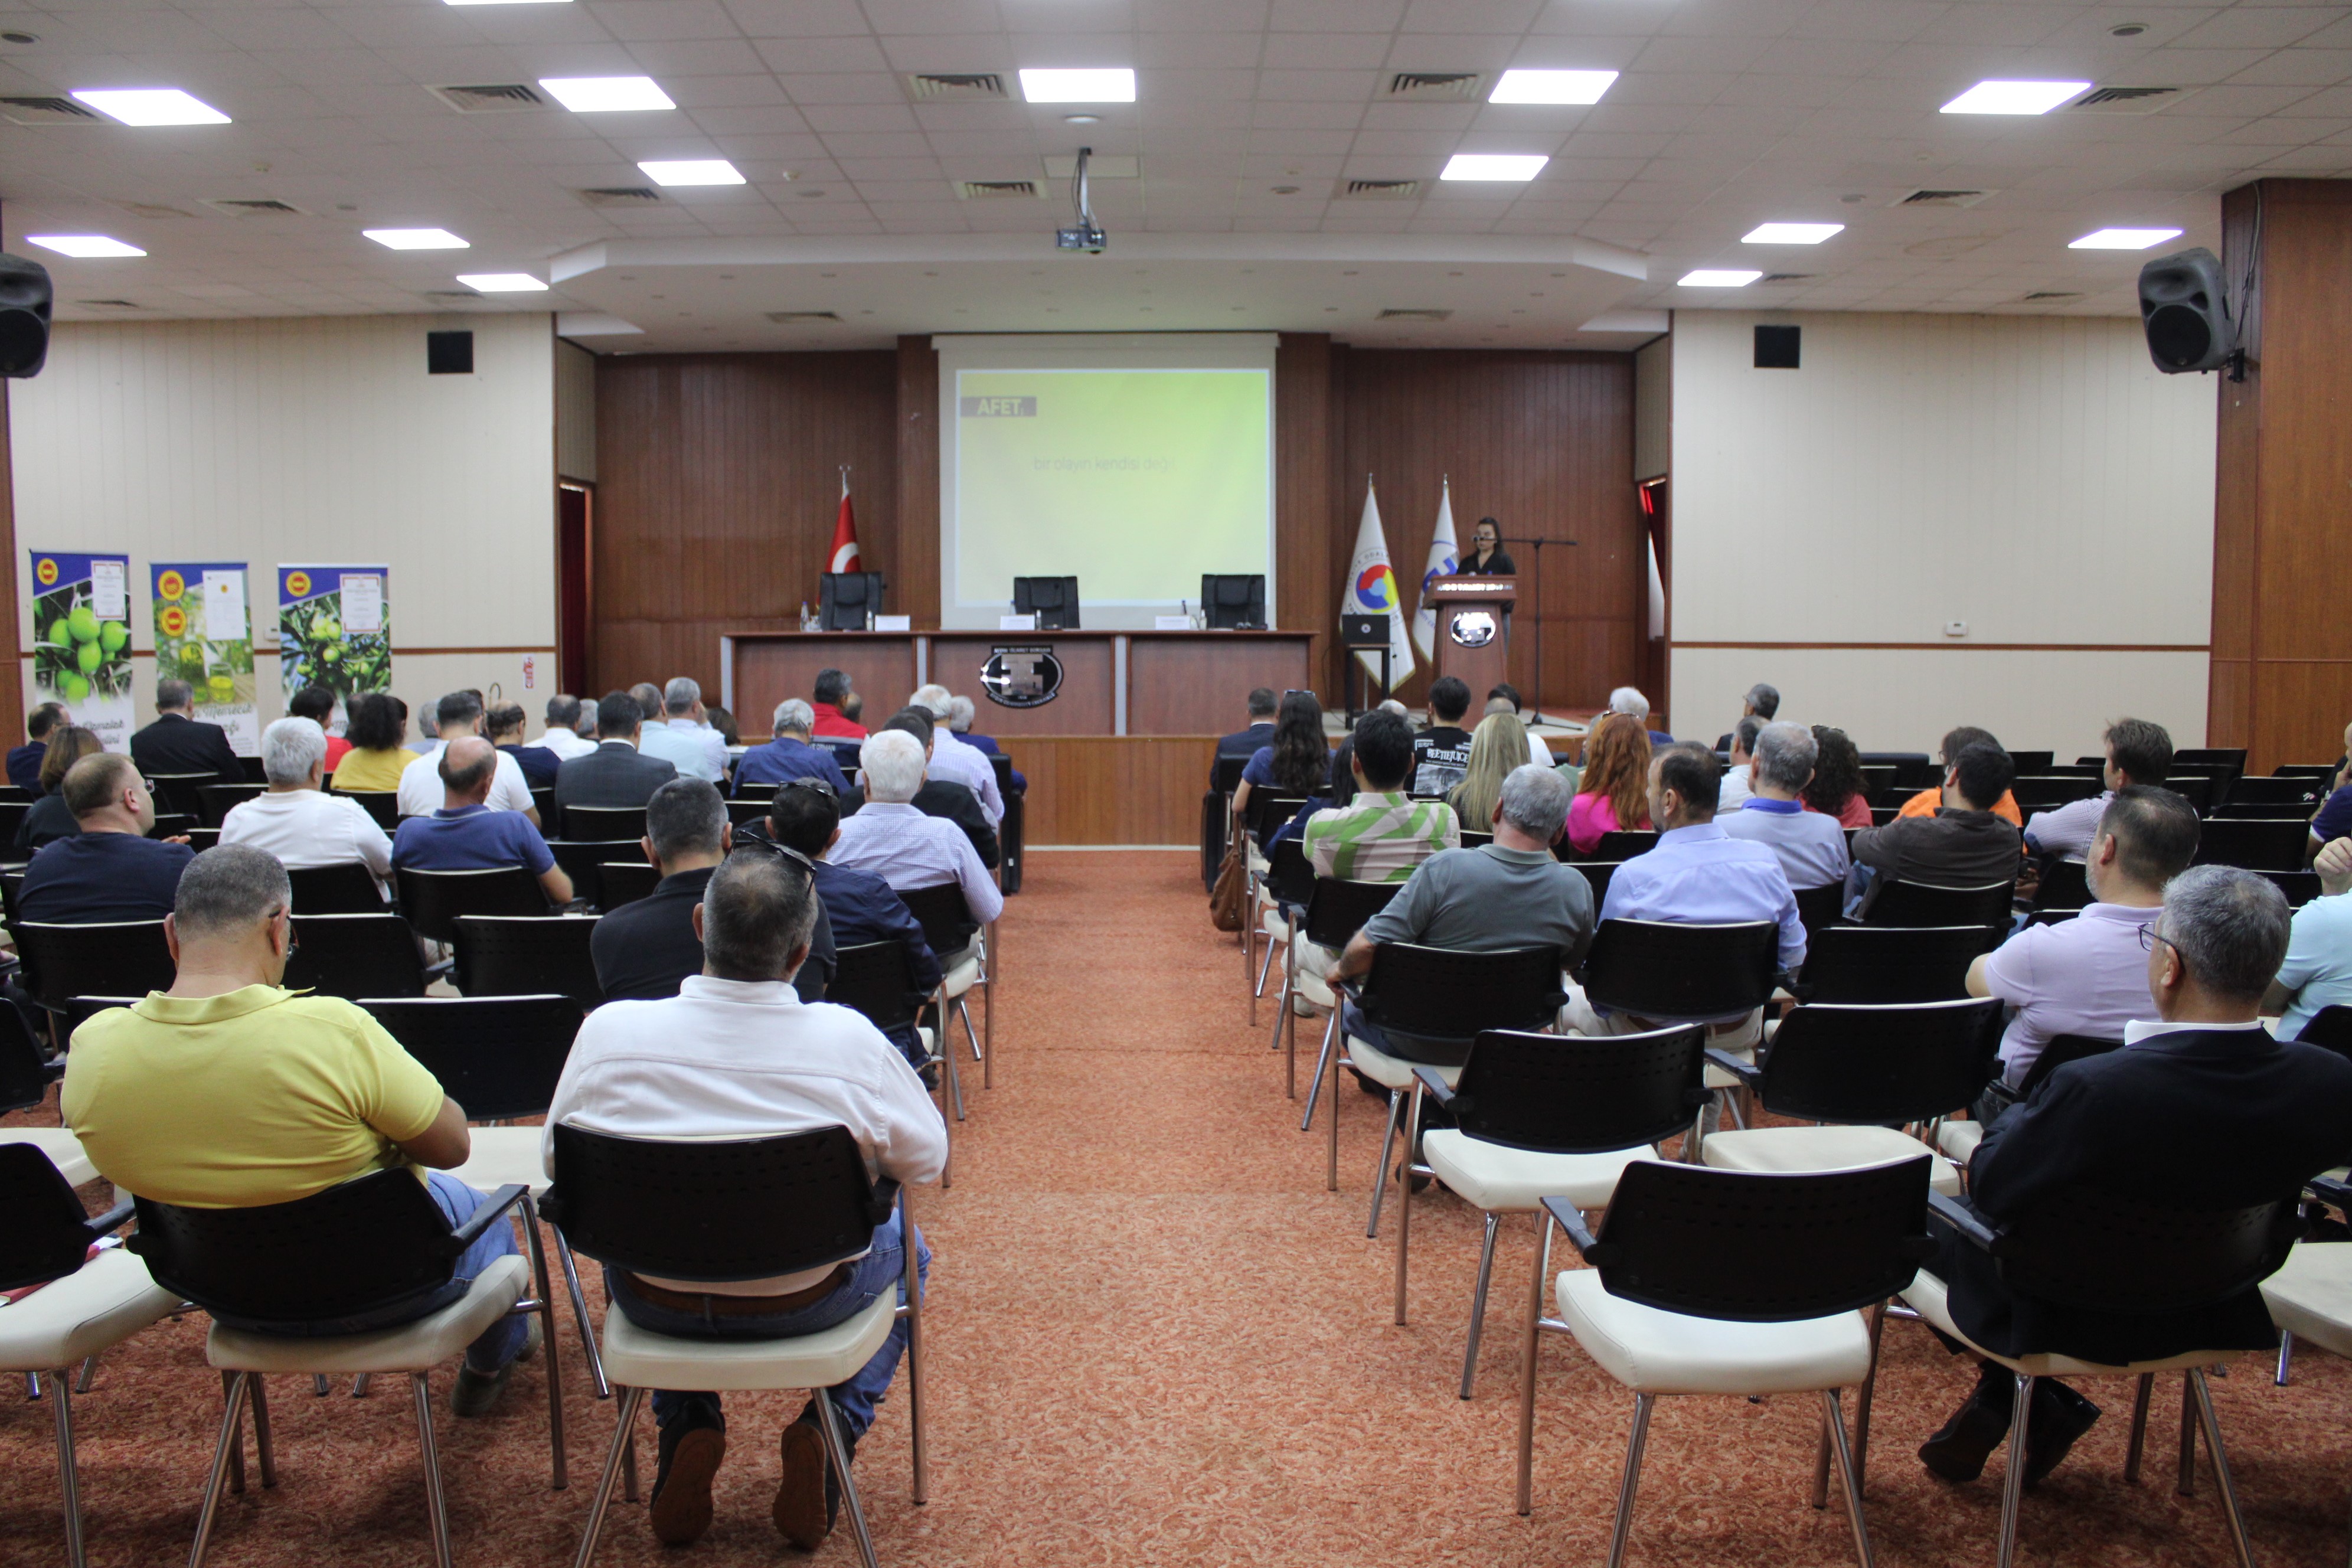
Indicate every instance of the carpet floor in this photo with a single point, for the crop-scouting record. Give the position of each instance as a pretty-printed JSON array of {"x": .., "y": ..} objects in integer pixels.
[{"x": 1156, "y": 1338}]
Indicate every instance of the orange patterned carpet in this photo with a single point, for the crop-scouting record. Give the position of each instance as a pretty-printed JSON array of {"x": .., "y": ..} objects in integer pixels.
[{"x": 1157, "y": 1339}]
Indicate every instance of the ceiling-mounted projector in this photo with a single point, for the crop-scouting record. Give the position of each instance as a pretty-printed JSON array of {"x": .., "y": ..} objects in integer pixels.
[{"x": 1085, "y": 234}]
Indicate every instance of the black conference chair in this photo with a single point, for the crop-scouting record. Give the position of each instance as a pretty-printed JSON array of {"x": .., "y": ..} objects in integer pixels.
[
  {"x": 1817, "y": 909},
  {"x": 1880, "y": 815},
  {"x": 383, "y": 805},
  {"x": 1914, "y": 771},
  {"x": 1865, "y": 1069},
  {"x": 2324, "y": 772},
  {"x": 1598, "y": 874},
  {"x": 2232, "y": 758},
  {"x": 2056, "y": 1053},
  {"x": 2040, "y": 792},
  {"x": 434, "y": 899},
  {"x": 877, "y": 979},
  {"x": 1336, "y": 912},
  {"x": 1901, "y": 903},
  {"x": 949, "y": 931},
  {"x": 584, "y": 860},
  {"x": 1872, "y": 964},
  {"x": 2270, "y": 845},
  {"x": 848, "y": 601},
  {"x": 528, "y": 955},
  {"x": 174, "y": 825},
  {"x": 542, "y": 801},
  {"x": 2290, "y": 791},
  {"x": 750, "y": 808},
  {"x": 214, "y": 801},
  {"x": 605, "y": 823},
  {"x": 202, "y": 839},
  {"x": 12, "y": 820},
  {"x": 1666, "y": 971},
  {"x": 110, "y": 958},
  {"x": 2064, "y": 885},
  {"x": 1878, "y": 783},
  {"x": 175, "y": 794},
  {"x": 2196, "y": 789},
  {"x": 349, "y": 888},
  {"x": 12, "y": 879},
  {"x": 1052, "y": 600},
  {"x": 2330, "y": 1029},
  {"x": 254, "y": 771},
  {"x": 355, "y": 955},
  {"x": 26, "y": 1075},
  {"x": 729, "y": 1210},
  {"x": 1621, "y": 844},
  {"x": 1234, "y": 601},
  {"x": 1470, "y": 840},
  {"x": 1289, "y": 884},
  {"x": 622, "y": 882},
  {"x": 2028, "y": 762}
]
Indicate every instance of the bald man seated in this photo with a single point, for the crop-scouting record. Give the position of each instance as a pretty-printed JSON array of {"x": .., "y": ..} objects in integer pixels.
[{"x": 466, "y": 835}]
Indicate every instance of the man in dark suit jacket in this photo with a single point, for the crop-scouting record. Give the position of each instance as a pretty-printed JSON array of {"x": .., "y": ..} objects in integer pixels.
[
  {"x": 1244, "y": 743},
  {"x": 177, "y": 743},
  {"x": 2204, "y": 1110},
  {"x": 615, "y": 773},
  {"x": 25, "y": 761}
]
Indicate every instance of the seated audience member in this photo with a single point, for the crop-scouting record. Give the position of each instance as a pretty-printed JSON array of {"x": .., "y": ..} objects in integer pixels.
[
  {"x": 806, "y": 816},
  {"x": 465, "y": 835},
  {"x": 2318, "y": 970},
  {"x": 456, "y": 717},
  {"x": 2138, "y": 752},
  {"x": 2201, "y": 1109},
  {"x": 1382, "y": 832},
  {"x": 1697, "y": 875},
  {"x": 1812, "y": 846},
  {"x": 648, "y": 698},
  {"x": 1760, "y": 704},
  {"x": 615, "y": 773},
  {"x": 889, "y": 836},
  {"x": 179, "y": 742},
  {"x": 832, "y": 699},
  {"x": 504, "y": 725},
  {"x": 953, "y": 759},
  {"x": 296, "y": 821},
  {"x": 948, "y": 799},
  {"x": 960, "y": 721},
  {"x": 1737, "y": 784},
  {"x": 643, "y": 949},
  {"x": 722, "y": 724},
  {"x": 682, "y": 738},
  {"x": 1927, "y": 802},
  {"x": 25, "y": 761},
  {"x": 762, "y": 1064},
  {"x": 1837, "y": 788},
  {"x": 1246, "y": 742},
  {"x": 2333, "y": 820},
  {"x": 1613, "y": 793},
  {"x": 1497, "y": 746},
  {"x": 791, "y": 755},
  {"x": 1342, "y": 792},
  {"x": 52, "y": 818},
  {"x": 1627, "y": 700},
  {"x": 316, "y": 704},
  {"x": 1294, "y": 764},
  {"x": 1508, "y": 894},
  {"x": 571, "y": 728},
  {"x": 228, "y": 1091},
  {"x": 110, "y": 870},
  {"x": 1964, "y": 844},
  {"x": 2089, "y": 976},
  {"x": 1441, "y": 754},
  {"x": 375, "y": 723},
  {"x": 1503, "y": 698}
]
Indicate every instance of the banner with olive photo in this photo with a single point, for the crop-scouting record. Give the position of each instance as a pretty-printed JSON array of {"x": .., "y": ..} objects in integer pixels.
[
  {"x": 81, "y": 640},
  {"x": 334, "y": 629},
  {"x": 203, "y": 636}
]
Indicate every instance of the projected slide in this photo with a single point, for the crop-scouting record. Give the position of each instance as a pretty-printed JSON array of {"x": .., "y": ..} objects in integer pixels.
[{"x": 1136, "y": 481}]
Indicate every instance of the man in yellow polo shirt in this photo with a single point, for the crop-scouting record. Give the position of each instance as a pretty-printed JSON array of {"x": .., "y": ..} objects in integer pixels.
[{"x": 228, "y": 1091}]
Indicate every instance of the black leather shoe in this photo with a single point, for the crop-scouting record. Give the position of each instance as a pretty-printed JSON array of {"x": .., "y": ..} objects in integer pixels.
[
  {"x": 1959, "y": 1450},
  {"x": 692, "y": 1445},
  {"x": 808, "y": 1484},
  {"x": 2059, "y": 1417}
]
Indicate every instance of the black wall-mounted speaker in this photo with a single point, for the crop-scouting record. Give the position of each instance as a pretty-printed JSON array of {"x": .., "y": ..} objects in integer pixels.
[
  {"x": 449, "y": 353},
  {"x": 1776, "y": 348},
  {"x": 25, "y": 300},
  {"x": 2184, "y": 307}
]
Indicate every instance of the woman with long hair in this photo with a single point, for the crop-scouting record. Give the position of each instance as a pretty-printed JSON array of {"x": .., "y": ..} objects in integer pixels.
[
  {"x": 51, "y": 819},
  {"x": 1836, "y": 787},
  {"x": 1497, "y": 746},
  {"x": 1614, "y": 792},
  {"x": 1298, "y": 762},
  {"x": 376, "y": 729}
]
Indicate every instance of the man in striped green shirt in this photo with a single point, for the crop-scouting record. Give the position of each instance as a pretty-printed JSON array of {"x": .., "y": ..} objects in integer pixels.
[{"x": 1382, "y": 834}]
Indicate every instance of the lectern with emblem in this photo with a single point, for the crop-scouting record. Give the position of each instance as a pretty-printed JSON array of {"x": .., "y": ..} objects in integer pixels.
[{"x": 1474, "y": 622}]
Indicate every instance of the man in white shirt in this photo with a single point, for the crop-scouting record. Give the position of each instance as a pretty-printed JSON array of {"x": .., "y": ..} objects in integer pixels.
[
  {"x": 2317, "y": 974},
  {"x": 955, "y": 758},
  {"x": 889, "y": 838},
  {"x": 736, "y": 1055},
  {"x": 1739, "y": 782},
  {"x": 571, "y": 728},
  {"x": 683, "y": 739},
  {"x": 456, "y": 716},
  {"x": 296, "y": 821},
  {"x": 1812, "y": 846}
]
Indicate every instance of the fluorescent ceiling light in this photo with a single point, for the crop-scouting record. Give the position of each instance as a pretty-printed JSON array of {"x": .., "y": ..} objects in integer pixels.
[
  {"x": 1551, "y": 86},
  {"x": 498, "y": 282},
  {"x": 693, "y": 172},
  {"x": 415, "y": 238},
  {"x": 1790, "y": 232},
  {"x": 1718, "y": 278},
  {"x": 2015, "y": 97},
  {"x": 1494, "y": 166},
  {"x": 505, "y": 2},
  {"x": 600, "y": 94},
  {"x": 1110, "y": 84},
  {"x": 152, "y": 106},
  {"x": 2123, "y": 238},
  {"x": 83, "y": 245}
]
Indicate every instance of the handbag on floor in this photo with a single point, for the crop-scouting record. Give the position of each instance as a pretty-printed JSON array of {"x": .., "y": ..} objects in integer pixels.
[{"x": 1232, "y": 892}]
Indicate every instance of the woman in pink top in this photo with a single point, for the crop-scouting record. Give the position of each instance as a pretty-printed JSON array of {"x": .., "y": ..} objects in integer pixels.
[{"x": 1614, "y": 792}]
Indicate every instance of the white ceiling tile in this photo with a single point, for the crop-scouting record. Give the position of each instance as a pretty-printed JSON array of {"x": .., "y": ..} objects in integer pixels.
[
  {"x": 2261, "y": 27},
  {"x": 672, "y": 62},
  {"x": 1157, "y": 88},
  {"x": 889, "y": 17},
  {"x": 800, "y": 57},
  {"x": 2232, "y": 101},
  {"x": 1326, "y": 51},
  {"x": 865, "y": 88},
  {"x": 1471, "y": 16},
  {"x": 848, "y": 144},
  {"x": 632, "y": 20},
  {"x": 1336, "y": 15},
  {"x": 2306, "y": 67},
  {"x": 1268, "y": 115},
  {"x": 1153, "y": 51},
  {"x": 798, "y": 18},
  {"x": 952, "y": 53}
]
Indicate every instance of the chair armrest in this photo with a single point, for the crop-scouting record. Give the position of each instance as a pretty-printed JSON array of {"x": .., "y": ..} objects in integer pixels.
[
  {"x": 112, "y": 1220},
  {"x": 2328, "y": 1190},
  {"x": 482, "y": 1218},
  {"x": 1599, "y": 1253},
  {"x": 1747, "y": 1073},
  {"x": 1965, "y": 1220},
  {"x": 1433, "y": 1086},
  {"x": 52, "y": 1071}
]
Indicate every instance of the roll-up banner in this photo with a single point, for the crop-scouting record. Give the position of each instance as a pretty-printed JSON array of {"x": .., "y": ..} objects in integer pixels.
[
  {"x": 203, "y": 636},
  {"x": 81, "y": 640},
  {"x": 334, "y": 628}
]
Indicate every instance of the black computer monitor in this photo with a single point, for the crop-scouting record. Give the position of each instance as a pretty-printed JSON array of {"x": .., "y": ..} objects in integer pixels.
[
  {"x": 1233, "y": 601},
  {"x": 1052, "y": 600},
  {"x": 847, "y": 600}
]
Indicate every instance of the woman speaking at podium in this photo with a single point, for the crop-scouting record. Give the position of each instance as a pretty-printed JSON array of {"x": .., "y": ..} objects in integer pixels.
[{"x": 1486, "y": 558}]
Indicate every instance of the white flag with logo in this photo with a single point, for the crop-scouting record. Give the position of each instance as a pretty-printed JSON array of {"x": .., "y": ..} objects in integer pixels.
[
  {"x": 1371, "y": 590},
  {"x": 1442, "y": 559}
]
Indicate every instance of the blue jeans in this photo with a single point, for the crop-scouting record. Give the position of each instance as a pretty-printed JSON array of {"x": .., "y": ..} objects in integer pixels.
[{"x": 879, "y": 1270}]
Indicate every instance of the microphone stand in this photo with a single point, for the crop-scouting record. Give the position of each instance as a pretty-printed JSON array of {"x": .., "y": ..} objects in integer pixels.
[{"x": 1538, "y": 544}]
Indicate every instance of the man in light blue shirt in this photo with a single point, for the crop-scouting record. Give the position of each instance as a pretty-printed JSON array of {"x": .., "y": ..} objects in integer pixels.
[
  {"x": 1810, "y": 846},
  {"x": 684, "y": 741},
  {"x": 890, "y": 838},
  {"x": 2318, "y": 969}
]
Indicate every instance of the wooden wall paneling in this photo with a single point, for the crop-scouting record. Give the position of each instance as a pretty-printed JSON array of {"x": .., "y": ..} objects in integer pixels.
[
  {"x": 1082, "y": 707},
  {"x": 1306, "y": 586},
  {"x": 880, "y": 667},
  {"x": 1112, "y": 789},
  {"x": 1185, "y": 683},
  {"x": 915, "y": 590},
  {"x": 719, "y": 481}
]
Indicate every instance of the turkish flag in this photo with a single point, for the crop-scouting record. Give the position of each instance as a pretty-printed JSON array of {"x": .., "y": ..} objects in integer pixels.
[{"x": 844, "y": 536}]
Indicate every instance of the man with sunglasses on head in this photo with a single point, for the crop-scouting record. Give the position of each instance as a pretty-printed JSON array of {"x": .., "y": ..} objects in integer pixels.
[{"x": 643, "y": 949}]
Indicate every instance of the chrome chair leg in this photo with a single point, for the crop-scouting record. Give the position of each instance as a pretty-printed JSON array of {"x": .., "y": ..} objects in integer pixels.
[
  {"x": 1322, "y": 1063},
  {"x": 547, "y": 1335},
  {"x": 1625, "y": 1489},
  {"x": 2012, "y": 1490},
  {"x": 436, "y": 1504},
  {"x": 837, "y": 1450},
  {"x": 89, "y": 1371},
  {"x": 2188, "y": 1487},
  {"x": 580, "y": 1316},
  {"x": 231, "y": 1442},
  {"x": 360, "y": 1386},
  {"x": 1528, "y": 1363},
  {"x": 1822, "y": 1469},
  {"x": 1404, "y": 1199},
  {"x": 318, "y": 1386},
  {"x": 971, "y": 1034},
  {"x": 2147, "y": 1381},
  {"x": 944, "y": 1052},
  {"x": 1264, "y": 965},
  {"x": 1331, "y": 1159},
  {"x": 2213, "y": 1424},
  {"x": 261, "y": 1428},
  {"x": 32, "y": 1385},
  {"x": 1380, "y": 1171},
  {"x": 1850, "y": 1472},
  {"x": 236, "y": 1453},
  {"x": 1862, "y": 1400},
  {"x": 910, "y": 1284},
  {"x": 1478, "y": 1303},
  {"x": 68, "y": 1479},
  {"x": 2285, "y": 1356},
  {"x": 621, "y": 1446}
]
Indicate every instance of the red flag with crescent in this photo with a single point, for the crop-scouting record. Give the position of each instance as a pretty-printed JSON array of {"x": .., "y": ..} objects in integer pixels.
[{"x": 845, "y": 535}]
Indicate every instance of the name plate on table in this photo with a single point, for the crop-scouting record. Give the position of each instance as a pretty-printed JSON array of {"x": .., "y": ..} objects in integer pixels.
[
  {"x": 1171, "y": 623},
  {"x": 1027, "y": 623},
  {"x": 894, "y": 622}
]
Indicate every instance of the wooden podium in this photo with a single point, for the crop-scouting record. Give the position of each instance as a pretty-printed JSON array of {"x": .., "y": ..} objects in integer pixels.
[{"x": 1473, "y": 629}]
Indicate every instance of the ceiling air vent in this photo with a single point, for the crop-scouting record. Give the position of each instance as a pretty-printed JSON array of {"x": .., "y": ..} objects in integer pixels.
[
  {"x": 488, "y": 98},
  {"x": 991, "y": 190},
  {"x": 1786, "y": 278},
  {"x": 802, "y": 317},
  {"x": 253, "y": 207},
  {"x": 156, "y": 209},
  {"x": 1381, "y": 190},
  {"x": 2124, "y": 100},
  {"x": 450, "y": 294},
  {"x": 956, "y": 87},
  {"x": 48, "y": 111},
  {"x": 1941, "y": 199},
  {"x": 110, "y": 304},
  {"x": 2044, "y": 294},
  {"x": 1414, "y": 315},
  {"x": 621, "y": 196},
  {"x": 1425, "y": 86}
]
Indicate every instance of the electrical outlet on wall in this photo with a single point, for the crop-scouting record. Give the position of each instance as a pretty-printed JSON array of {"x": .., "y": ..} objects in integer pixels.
[{"x": 1956, "y": 628}]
